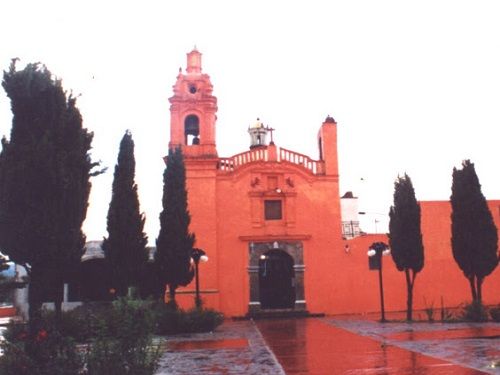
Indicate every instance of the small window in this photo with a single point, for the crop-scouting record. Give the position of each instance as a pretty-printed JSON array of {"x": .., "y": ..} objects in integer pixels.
[{"x": 273, "y": 210}]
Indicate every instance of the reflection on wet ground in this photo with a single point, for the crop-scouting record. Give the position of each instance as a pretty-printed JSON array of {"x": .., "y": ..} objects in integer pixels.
[
  {"x": 473, "y": 345},
  {"x": 318, "y": 346},
  {"x": 335, "y": 345},
  {"x": 235, "y": 348}
]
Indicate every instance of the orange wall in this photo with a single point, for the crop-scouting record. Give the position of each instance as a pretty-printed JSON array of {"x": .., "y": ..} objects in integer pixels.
[
  {"x": 313, "y": 218},
  {"x": 224, "y": 223},
  {"x": 336, "y": 281},
  {"x": 357, "y": 288},
  {"x": 201, "y": 186}
]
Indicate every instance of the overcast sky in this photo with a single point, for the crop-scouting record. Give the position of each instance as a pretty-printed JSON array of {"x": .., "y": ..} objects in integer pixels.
[{"x": 413, "y": 85}]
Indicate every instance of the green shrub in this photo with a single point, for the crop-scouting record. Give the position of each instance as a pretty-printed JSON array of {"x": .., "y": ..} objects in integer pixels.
[
  {"x": 45, "y": 354},
  {"x": 72, "y": 324},
  {"x": 429, "y": 311},
  {"x": 78, "y": 324},
  {"x": 201, "y": 320},
  {"x": 130, "y": 320},
  {"x": 446, "y": 314},
  {"x": 55, "y": 354},
  {"x": 170, "y": 320},
  {"x": 119, "y": 335},
  {"x": 474, "y": 312},
  {"x": 107, "y": 356},
  {"x": 14, "y": 360},
  {"x": 495, "y": 313},
  {"x": 16, "y": 332},
  {"x": 123, "y": 343}
]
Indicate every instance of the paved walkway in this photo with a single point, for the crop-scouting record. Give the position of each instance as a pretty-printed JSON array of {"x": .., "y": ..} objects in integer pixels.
[
  {"x": 472, "y": 346},
  {"x": 336, "y": 346},
  {"x": 235, "y": 348}
]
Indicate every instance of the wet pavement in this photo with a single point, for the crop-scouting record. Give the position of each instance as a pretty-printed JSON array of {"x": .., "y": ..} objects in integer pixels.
[
  {"x": 336, "y": 346},
  {"x": 236, "y": 347},
  {"x": 469, "y": 345}
]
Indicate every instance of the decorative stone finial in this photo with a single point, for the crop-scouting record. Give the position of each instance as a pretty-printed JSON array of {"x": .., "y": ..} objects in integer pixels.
[
  {"x": 258, "y": 124},
  {"x": 194, "y": 62},
  {"x": 329, "y": 119}
]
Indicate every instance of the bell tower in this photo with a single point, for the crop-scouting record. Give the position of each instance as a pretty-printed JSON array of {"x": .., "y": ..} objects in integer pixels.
[
  {"x": 258, "y": 134},
  {"x": 193, "y": 111}
]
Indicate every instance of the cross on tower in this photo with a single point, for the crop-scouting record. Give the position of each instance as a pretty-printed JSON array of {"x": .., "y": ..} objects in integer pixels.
[{"x": 270, "y": 130}]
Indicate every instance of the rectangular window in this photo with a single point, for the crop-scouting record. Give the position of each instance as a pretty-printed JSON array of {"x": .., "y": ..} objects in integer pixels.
[{"x": 273, "y": 210}]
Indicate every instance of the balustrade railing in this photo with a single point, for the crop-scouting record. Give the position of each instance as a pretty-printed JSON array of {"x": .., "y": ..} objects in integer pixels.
[
  {"x": 315, "y": 166},
  {"x": 261, "y": 154},
  {"x": 233, "y": 162}
]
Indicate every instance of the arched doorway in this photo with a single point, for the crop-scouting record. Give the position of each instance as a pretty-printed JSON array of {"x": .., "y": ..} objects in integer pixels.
[{"x": 276, "y": 280}]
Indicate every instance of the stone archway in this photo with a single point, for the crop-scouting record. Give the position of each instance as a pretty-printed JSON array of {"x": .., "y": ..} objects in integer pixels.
[{"x": 288, "y": 266}]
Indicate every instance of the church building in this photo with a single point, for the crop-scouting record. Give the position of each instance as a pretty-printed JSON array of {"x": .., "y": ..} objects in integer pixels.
[
  {"x": 270, "y": 221},
  {"x": 248, "y": 210}
]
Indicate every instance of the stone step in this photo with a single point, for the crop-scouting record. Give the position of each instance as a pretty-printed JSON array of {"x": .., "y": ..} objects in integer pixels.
[{"x": 281, "y": 314}]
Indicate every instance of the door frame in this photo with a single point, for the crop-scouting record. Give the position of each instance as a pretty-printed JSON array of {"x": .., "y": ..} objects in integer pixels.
[{"x": 296, "y": 252}]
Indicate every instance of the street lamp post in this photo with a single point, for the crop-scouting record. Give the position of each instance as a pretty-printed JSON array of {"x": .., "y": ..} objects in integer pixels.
[
  {"x": 376, "y": 250},
  {"x": 198, "y": 255}
]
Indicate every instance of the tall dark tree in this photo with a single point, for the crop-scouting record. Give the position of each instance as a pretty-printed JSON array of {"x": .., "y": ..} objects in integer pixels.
[
  {"x": 474, "y": 237},
  {"x": 405, "y": 236},
  {"x": 125, "y": 246},
  {"x": 45, "y": 172},
  {"x": 174, "y": 243}
]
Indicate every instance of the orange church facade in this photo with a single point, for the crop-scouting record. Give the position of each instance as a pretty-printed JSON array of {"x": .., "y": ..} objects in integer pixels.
[{"x": 270, "y": 222}]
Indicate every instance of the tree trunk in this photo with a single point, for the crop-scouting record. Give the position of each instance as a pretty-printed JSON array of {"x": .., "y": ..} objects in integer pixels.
[
  {"x": 58, "y": 299},
  {"x": 35, "y": 301},
  {"x": 410, "y": 280},
  {"x": 479, "y": 281},
  {"x": 171, "y": 293},
  {"x": 473, "y": 288},
  {"x": 121, "y": 291}
]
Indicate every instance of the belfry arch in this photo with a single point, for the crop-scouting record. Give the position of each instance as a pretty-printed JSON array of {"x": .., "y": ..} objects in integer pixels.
[
  {"x": 192, "y": 130},
  {"x": 286, "y": 260}
]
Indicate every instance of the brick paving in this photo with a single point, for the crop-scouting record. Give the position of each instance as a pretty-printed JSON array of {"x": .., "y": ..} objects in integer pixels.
[
  {"x": 237, "y": 347},
  {"x": 470, "y": 345},
  {"x": 335, "y": 346}
]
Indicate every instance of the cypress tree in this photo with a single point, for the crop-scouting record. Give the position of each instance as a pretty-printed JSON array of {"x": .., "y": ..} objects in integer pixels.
[
  {"x": 405, "y": 236},
  {"x": 174, "y": 243},
  {"x": 45, "y": 172},
  {"x": 125, "y": 246},
  {"x": 474, "y": 237}
]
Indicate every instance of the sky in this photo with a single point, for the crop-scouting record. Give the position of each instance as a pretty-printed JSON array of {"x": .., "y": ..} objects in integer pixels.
[{"x": 414, "y": 86}]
